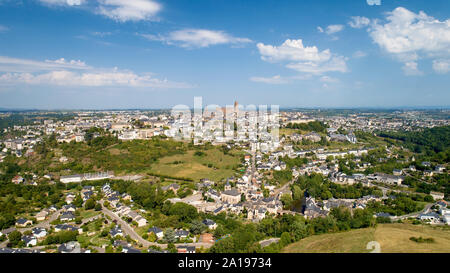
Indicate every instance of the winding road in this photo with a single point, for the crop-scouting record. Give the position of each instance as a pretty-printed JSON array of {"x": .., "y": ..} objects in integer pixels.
[{"x": 126, "y": 228}]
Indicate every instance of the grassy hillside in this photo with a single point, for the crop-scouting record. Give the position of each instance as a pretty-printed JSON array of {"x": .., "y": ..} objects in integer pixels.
[
  {"x": 213, "y": 164},
  {"x": 155, "y": 156},
  {"x": 393, "y": 238}
]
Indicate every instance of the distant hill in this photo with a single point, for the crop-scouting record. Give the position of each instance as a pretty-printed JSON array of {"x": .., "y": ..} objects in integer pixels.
[{"x": 435, "y": 139}]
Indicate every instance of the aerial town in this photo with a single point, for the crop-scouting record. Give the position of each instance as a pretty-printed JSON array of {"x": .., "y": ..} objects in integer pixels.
[{"x": 121, "y": 181}]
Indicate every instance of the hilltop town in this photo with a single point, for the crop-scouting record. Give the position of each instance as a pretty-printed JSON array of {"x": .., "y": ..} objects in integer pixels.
[{"x": 123, "y": 181}]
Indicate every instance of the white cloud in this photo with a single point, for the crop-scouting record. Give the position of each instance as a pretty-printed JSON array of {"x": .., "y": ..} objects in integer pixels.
[
  {"x": 75, "y": 73},
  {"x": 120, "y": 10},
  {"x": 359, "y": 22},
  {"x": 101, "y": 34},
  {"x": 90, "y": 79},
  {"x": 411, "y": 69},
  {"x": 129, "y": 10},
  {"x": 303, "y": 59},
  {"x": 63, "y": 2},
  {"x": 335, "y": 64},
  {"x": 3, "y": 29},
  {"x": 292, "y": 50},
  {"x": 331, "y": 29},
  {"x": 8, "y": 64},
  {"x": 197, "y": 38},
  {"x": 441, "y": 66},
  {"x": 359, "y": 54},
  {"x": 271, "y": 80},
  {"x": 328, "y": 79},
  {"x": 410, "y": 37}
]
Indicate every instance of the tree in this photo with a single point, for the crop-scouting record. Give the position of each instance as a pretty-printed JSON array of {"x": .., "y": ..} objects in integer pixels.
[
  {"x": 286, "y": 199},
  {"x": 98, "y": 207},
  {"x": 223, "y": 246},
  {"x": 299, "y": 230},
  {"x": 152, "y": 237},
  {"x": 185, "y": 212},
  {"x": 15, "y": 237},
  {"x": 169, "y": 235},
  {"x": 285, "y": 239},
  {"x": 78, "y": 201},
  {"x": 90, "y": 204},
  {"x": 197, "y": 227},
  {"x": 172, "y": 248}
]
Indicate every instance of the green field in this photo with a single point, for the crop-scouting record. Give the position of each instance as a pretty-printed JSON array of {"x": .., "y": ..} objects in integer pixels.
[
  {"x": 156, "y": 156},
  {"x": 393, "y": 238},
  {"x": 195, "y": 167}
]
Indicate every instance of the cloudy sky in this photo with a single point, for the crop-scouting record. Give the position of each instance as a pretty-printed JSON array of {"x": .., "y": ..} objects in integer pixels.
[{"x": 68, "y": 54}]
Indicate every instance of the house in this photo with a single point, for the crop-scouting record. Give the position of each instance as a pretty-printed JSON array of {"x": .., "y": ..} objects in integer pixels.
[
  {"x": 382, "y": 214},
  {"x": 428, "y": 216},
  {"x": 186, "y": 249},
  {"x": 247, "y": 157},
  {"x": 39, "y": 232},
  {"x": 70, "y": 247},
  {"x": 42, "y": 215},
  {"x": 29, "y": 240},
  {"x": 141, "y": 221},
  {"x": 397, "y": 172},
  {"x": 67, "y": 216},
  {"x": 444, "y": 211},
  {"x": 18, "y": 179},
  {"x": 69, "y": 198},
  {"x": 126, "y": 196},
  {"x": 213, "y": 194},
  {"x": 437, "y": 195},
  {"x": 446, "y": 219},
  {"x": 87, "y": 188},
  {"x": 113, "y": 201},
  {"x": 22, "y": 222},
  {"x": 389, "y": 179},
  {"x": 127, "y": 249},
  {"x": 426, "y": 164},
  {"x": 116, "y": 232},
  {"x": 181, "y": 234},
  {"x": 175, "y": 187},
  {"x": 157, "y": 231},
  {"x": 65, "y": 227},
  {"x": 69, "y": 208},
  {"x": 210, "y": 224},
  {"x": 6, "y": 250},
  {"x": 439, "y": 168},
  {"x": 48, "y": 176}
]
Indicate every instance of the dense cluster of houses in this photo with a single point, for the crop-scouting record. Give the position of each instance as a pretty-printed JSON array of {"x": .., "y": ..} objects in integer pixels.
[{"x": 122, "y": 210}]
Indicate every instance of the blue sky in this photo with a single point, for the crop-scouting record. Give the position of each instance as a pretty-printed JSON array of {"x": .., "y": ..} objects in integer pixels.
[{"x": 95, "y": 54}]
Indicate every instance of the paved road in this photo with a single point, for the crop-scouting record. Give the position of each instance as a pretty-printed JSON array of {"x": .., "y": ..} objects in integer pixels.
[
  {"x": 284, "y": 189},
  {"x": 267, "y": 242},
  {"x": 415, "y": 214},
  {"x": 84, "y": 221}
]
